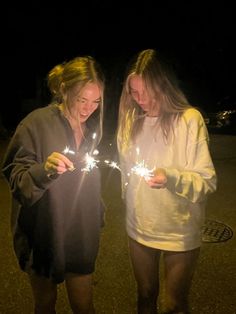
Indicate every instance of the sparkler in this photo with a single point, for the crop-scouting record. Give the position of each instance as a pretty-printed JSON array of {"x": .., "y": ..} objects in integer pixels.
[
  {"x": 90, "y": 162},
  {"x": 141, "y": 169},
  {"x": 66, "y": 151},
  {"x": 112, "y": 164}
]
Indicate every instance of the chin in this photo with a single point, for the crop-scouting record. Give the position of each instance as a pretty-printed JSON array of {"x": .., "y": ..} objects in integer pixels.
[{"x": 83, "y": 119}]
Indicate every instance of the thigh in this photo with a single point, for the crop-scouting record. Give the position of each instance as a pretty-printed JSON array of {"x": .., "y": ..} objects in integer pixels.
[
  {"x": 179, "y": 270},
  {"x": 145, "y": 262},
  {"x": 80, "y": 292}
]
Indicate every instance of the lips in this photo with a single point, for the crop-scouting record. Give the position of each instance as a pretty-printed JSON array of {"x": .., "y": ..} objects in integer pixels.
[{"x": 84, "y": 116}]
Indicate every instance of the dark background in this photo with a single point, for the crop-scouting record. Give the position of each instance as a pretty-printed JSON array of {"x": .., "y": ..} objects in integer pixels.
[{"x": 198, "y": 39}]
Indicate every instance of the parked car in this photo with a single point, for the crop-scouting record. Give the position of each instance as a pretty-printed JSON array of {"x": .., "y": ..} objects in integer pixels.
[{"x": 223, "y": 118}]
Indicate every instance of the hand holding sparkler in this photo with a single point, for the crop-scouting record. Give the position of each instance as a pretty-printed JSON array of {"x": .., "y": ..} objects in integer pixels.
[
  {"x": 90, "y": 161},
  {"x": 158, "y": 180},
  {"x": 58, "y": 163}
]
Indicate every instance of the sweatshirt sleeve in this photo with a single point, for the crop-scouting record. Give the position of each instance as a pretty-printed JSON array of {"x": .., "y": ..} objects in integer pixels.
[
  {"x": 22, "y": 168},
  {"x": 198, "y": 178}
]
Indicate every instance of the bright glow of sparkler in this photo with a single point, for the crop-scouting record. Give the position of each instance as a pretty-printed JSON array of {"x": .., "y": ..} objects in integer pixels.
[
  {"x": 90, "y": 163},
  {"x": 141, "y": 170}
]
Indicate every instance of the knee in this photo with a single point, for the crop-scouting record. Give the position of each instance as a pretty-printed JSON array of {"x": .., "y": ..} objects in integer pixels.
[{"x": 147, "y": 292}]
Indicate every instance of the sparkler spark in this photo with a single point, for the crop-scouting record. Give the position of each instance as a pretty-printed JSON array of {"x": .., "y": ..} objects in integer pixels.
[
  {"x": 141, "y": 170},
  {"x": 112, "y": 164},
  {"x": 90, "y": 163},
  {"x": 67, "y": 150}
]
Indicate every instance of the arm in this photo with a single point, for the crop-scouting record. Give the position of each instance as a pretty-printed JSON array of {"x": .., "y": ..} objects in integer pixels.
[
  {"x": 28, "y": 176},
  {"x": 198, "y": 178}
]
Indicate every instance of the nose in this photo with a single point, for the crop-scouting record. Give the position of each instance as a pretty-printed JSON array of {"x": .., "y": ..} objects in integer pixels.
[
  {"x": 142, "y": 97},
  {"x": 88, "y": 107}
]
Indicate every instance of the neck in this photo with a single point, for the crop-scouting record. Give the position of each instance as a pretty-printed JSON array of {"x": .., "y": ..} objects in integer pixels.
[{"x": 73, "y": 120}]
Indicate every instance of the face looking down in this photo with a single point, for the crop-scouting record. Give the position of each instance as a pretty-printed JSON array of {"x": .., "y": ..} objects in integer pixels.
[{"x": 142, "y": 96}]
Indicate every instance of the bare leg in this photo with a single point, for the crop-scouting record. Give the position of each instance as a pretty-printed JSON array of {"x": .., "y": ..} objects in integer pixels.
[
  {"x": 145, "y": 261},
  {"x": 179, "y": 270},
  {"x": 45, "y": 294},
  {"x": 80, "y": 293}
]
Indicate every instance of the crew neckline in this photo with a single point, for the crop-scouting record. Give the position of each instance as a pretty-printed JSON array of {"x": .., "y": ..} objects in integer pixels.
[{"x": 150, "y": 120}]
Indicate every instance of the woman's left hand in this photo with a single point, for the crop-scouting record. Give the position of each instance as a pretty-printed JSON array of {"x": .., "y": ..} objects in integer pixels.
[{"x": 158, "y": 180}]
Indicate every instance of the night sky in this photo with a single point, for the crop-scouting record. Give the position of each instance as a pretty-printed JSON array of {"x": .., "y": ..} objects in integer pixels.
[{"x": 198, "y": 39}]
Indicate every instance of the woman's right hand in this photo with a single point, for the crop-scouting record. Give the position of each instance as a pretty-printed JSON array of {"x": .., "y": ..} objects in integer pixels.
[
  {"x": 58, "y": 163},
  {"x": 158, "y": 180}
]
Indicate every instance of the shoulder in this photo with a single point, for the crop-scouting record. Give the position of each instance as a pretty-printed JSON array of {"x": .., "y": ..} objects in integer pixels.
[
  {"x": 40, "y": 114},
  {"x": 194, "y": 123},
  {"x": 192, "y": 114}
]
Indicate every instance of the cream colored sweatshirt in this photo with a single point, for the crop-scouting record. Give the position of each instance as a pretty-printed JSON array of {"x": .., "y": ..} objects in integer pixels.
[{"x": 169, "y": 218}]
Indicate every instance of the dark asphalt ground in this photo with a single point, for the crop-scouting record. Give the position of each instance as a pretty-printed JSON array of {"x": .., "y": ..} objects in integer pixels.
[{"x": 214, "y": 286}]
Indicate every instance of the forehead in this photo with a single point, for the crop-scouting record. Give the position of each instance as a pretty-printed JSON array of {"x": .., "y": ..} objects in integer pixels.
[
  {"x": 136, "y": 82},
  {"x": 89, "y": 91}
]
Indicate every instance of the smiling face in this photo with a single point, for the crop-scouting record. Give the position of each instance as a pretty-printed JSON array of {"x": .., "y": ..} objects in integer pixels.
[
  {"x": 142, "y": 96},
  {"x": 83, "y": 102}
]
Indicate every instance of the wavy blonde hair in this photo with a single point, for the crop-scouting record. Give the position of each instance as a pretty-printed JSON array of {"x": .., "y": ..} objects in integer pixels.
[{"x": 159, "y": 81}]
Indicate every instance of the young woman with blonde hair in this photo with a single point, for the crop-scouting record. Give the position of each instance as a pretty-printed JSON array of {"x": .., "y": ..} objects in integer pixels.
[
  {"x": 160, "y": 130},
  {"x": 56, "y": 222}
]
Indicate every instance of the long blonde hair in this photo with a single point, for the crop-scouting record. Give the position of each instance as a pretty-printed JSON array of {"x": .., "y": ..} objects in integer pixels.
[{"x": 163, "y": 84}]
